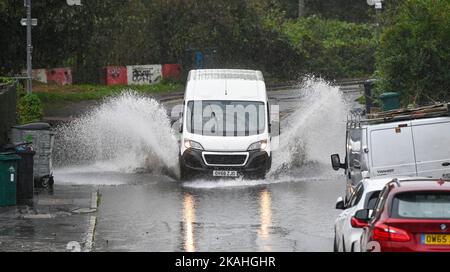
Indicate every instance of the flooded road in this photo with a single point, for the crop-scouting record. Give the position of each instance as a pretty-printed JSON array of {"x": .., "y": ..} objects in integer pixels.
[{"x": 144, "y": 208}]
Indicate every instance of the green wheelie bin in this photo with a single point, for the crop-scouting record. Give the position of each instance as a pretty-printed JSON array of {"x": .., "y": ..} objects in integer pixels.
[{"x": 8, "y": 179}]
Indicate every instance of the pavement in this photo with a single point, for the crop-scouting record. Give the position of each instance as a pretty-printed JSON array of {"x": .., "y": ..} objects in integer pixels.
[{"x": 57, "y": 218}]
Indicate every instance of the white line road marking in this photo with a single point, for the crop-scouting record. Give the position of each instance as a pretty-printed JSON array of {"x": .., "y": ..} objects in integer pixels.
[{"x": 89, "y": 240}]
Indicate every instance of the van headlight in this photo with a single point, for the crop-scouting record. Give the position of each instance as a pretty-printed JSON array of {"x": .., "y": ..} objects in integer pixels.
[
  {"x": 261, "y": 145},
  {"x": 192, "y": 144}
]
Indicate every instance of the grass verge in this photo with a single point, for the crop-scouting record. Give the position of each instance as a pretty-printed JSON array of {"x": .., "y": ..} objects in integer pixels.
[{"x": 76, "y": 93}]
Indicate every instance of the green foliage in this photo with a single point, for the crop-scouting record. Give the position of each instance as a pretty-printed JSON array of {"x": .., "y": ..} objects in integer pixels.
[
  {"x": 245, "y": 34},
  {"x": 331, "y": 48},
  {"x": 29, "y": 109},
  {"x": 414, "y": 52},
  {"x": 6, "y": 80},
  {"x": 345, "y": 10}
]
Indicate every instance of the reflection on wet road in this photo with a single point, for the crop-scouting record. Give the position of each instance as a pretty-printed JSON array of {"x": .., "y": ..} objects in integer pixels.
[
  {"x": 189, "y": 219},
  {"x": 295, "y": 215},
  {"x": 266, "y": 218}
]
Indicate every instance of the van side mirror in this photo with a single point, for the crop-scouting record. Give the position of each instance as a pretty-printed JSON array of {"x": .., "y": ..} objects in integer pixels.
[
  {"x": 340, "y": 205},
  {"x": 336, "y": 162},
  {"x": 364, "y": 215},
  {"x": 175, "y": 117},
  {"x": 274, "y": 129}
]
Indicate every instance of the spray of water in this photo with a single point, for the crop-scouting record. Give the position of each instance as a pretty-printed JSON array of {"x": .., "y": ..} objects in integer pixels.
[
  {"x": 309, "y": 135},
  {"x": 127, "y": 133},
  {"x": 131, "y": 133},
  {"x": 314, "y": 131}
]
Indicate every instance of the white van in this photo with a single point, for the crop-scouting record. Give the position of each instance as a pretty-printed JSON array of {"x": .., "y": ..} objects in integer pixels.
[
  {"x": 410, "y": 143},
  {"x": 226, "y": 125}
]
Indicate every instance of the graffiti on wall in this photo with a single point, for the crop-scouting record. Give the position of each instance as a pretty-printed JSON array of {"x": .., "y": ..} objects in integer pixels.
[
  {"x": 116, "y": 75},
  {"x": 60, "y": 76},
  {"x": 144, "y": 74}
]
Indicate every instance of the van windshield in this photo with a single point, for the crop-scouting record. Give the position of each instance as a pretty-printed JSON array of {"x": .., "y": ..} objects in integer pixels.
[{"x": 226, "y": 118}]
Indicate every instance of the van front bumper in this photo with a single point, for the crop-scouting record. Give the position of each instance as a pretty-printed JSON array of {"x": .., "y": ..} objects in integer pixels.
[{"x": 192, "y": 164}]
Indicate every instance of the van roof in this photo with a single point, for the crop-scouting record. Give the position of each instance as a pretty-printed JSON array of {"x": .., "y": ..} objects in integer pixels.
[
  {"x": 223, "y": 74},
  {"x": 434, "y": 111},
  {"x": 226, "y": 84}
]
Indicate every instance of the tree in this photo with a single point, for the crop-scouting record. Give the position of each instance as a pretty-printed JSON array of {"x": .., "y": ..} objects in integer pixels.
[{"x": 414, "y": 52}]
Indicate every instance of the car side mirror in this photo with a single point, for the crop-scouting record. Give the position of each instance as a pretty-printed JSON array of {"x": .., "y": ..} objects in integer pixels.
[
  {"x": 336, "y": 162},
  {"x": 364, "y": 215},
  {"x": 340, "y": 205}
]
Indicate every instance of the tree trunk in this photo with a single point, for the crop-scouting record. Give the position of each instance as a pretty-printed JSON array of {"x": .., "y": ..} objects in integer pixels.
[{"x": 301, "y": 8}]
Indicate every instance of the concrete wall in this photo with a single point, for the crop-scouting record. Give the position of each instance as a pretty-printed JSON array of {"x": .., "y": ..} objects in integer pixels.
[
  {"x": 144, "y": 74},
  {"x": 8, "y": 100},
  {"x": 60, "y": 76},
  {"x": 115, "y": 75}
]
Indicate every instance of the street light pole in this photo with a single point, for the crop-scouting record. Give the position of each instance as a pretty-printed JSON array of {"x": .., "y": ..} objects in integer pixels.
[{"x": 29, "y": 48}]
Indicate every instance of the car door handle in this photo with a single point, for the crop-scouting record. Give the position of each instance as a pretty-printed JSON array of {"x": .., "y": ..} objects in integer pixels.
[{"x": 446, "y": 164}]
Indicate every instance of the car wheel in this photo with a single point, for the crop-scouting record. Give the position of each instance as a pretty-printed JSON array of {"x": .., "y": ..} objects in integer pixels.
[
  {"x": 343, "y": 245},
  {"x": 335, "y": 246}
]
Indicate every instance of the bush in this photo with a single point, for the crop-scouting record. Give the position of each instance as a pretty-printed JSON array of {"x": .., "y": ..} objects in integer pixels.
[
  {"x": 414, "y": 52},
  {"x": 6, "y": 80},
  {"x": 29, "y": 109},
  {"x": 331, "y": 48}
]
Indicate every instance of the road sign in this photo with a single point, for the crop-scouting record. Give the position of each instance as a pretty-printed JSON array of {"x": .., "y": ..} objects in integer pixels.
[
  {"x": 373, "y": 2},
  {"x": 34, "y": 22},
  {"x": 73, "y": 2}
]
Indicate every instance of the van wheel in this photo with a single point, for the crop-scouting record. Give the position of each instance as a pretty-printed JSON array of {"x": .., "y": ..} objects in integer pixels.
[{"x": 184, "y": 175}]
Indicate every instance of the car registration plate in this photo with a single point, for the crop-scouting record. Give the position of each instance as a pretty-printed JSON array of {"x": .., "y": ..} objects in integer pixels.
[
  {"x": 233, "y": 174},
  {"x": 436, "y": 239}
]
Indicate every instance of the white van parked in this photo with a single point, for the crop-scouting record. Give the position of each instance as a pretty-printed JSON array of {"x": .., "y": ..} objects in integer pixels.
[
  {"x": 226, "y": 125},
  {"x": 401, "y": 143}
]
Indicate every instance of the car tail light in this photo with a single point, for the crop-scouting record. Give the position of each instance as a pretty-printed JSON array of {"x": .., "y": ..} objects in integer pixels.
[
  {"x": 382, "y": 232},
  {"x": 356, "y": 223}
]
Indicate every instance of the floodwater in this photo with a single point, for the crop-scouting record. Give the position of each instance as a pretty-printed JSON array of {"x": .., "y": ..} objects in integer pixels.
[{"x": 126, "y": 148}]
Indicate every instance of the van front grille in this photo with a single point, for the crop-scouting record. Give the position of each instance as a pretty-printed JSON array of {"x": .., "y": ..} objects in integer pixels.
[{"x": 213, "y": 159}]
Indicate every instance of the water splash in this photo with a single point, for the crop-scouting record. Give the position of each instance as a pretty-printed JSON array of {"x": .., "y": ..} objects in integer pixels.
[
  {"x": 312, "y": 132},
  {"x": 131, "y": 134},
  {"x": 126, "y": 134}
]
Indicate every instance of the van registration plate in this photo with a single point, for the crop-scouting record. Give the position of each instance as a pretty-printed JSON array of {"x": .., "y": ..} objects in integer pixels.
[{"x": 233, "y": 174}]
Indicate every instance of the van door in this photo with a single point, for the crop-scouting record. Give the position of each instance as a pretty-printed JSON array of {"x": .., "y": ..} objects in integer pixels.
[
  {"x": 432, "y": 144},
  {"x": 354, "y": 158},
  {"x": 391, "y": 150}
]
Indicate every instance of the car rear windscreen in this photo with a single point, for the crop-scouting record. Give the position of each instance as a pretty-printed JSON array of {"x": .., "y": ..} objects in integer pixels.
[{"x": 421, "y": 205}]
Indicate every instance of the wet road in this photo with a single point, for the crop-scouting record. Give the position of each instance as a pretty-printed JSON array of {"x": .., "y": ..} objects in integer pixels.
[
  {"x": 164, "y": 215},
  {"x": 293, "y": 211}
]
